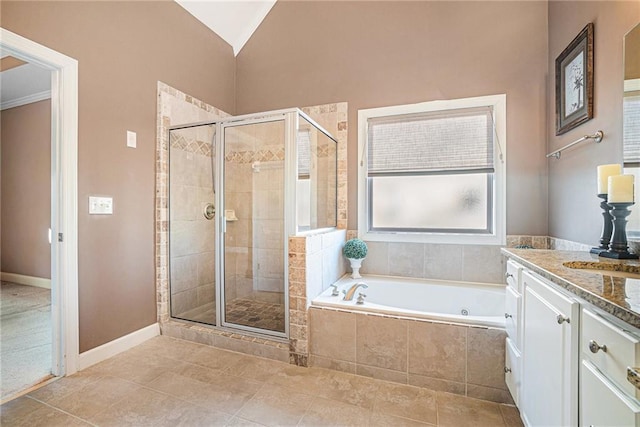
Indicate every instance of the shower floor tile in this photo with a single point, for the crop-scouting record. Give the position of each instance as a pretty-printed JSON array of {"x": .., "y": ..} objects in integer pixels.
[
  {"x": 257, "y": 314},
  {"x": 191, "y": 390},
  {"x": 241, "y": 311}
]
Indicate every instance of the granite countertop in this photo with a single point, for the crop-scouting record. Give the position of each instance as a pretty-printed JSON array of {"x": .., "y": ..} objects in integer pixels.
[{"x": 619, "y": 296}]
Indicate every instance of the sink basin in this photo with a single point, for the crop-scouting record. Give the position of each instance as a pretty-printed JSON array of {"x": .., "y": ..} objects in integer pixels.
[{"x": 631, "y": 271}]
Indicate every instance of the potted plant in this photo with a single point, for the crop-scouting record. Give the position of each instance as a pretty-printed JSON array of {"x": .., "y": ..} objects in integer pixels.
[{"x": 355, "y": 250}]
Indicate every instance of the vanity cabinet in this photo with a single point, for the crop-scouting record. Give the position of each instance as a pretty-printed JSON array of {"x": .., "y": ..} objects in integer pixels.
[
  {"x": 608, "y": 348},
  {"x": 513, "y": 326},
  {"x": 550, "y": 357},
  {"x": 567, "y": 361}
]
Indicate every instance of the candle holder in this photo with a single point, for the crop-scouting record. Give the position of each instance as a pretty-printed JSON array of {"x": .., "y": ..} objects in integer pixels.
[
  {"x": 618, "y": 248},
  {"x": 607, "y": 227}
]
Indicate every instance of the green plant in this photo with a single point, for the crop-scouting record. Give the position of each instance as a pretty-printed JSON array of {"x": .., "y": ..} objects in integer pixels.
[{"x": 355, "y": 248}]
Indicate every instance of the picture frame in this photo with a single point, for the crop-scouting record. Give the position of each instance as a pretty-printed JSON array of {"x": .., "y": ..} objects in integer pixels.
[{"x": 574, "y": 82}]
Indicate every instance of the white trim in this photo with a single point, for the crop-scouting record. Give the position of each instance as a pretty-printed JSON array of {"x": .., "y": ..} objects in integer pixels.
[
  {"x": 499, "y": 103},
  {"x": 21, "y": 279},
  {"x": 29, "y": 99},
  {"x": 117, "y": 346},
  {"x": 64, "y": 192}
]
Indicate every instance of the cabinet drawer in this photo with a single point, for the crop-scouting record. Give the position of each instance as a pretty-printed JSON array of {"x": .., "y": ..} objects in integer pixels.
[
  {"x": 513, "y": 275},
  {"x": 512, "y": 315},
  {"x": 512, "y": 372},
  {"x": 602, "y": 403},
  {"x": 622, "y": 349}
]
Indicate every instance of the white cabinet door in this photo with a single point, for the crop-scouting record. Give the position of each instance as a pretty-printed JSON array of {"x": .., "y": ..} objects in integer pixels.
[
  {"x": 602, "y": 403},
  {"x": 550, "y": 362},
  {"x": 512, "y": 315},
  {"x": 512, "y": 374}
]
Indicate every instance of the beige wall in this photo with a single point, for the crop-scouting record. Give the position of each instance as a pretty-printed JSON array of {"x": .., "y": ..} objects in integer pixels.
[
  {"x": 26, "y": 189},
  {"x": 123, "y": 49},
  {"x": 373, "y": 54},
  {"x": 574, "y": 212}
]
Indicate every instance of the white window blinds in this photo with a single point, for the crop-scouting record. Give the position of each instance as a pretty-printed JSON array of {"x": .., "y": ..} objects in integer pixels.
[{"x": 451, "y": 140}]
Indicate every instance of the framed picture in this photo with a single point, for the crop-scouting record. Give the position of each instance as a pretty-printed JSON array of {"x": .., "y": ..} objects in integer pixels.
[{"x": 574, "y": 82}]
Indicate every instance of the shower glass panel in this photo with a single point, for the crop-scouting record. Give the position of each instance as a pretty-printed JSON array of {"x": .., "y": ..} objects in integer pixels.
[
  {"x": 191, "y": 224},
  {"x": 316, "y": 183},
  {"x": 254, "y": 240}
]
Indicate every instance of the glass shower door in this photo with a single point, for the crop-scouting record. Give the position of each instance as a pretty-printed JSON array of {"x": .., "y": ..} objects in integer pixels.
[
  {"x": 191, "y": 225},
  {"x": 254, "y": 238}
]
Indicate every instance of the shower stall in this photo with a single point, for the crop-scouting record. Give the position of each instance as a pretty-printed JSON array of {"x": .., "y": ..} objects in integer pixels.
[{"x": 238, "y": 187}]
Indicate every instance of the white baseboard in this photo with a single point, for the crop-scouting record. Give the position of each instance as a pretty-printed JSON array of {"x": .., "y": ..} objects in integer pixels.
[
  {"x": 110, "y": 349},
  {"x": 21, "y": 279}
]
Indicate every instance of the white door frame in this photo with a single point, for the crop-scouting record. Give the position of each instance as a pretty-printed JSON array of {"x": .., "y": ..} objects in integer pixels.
[{"x": 64, "y": 194}]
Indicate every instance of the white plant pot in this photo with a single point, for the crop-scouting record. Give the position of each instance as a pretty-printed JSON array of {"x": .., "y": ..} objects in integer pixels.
[{"x": 355, "y": 267}]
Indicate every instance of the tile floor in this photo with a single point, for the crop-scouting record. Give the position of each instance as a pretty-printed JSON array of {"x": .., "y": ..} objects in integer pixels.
[{"x": 171, "y": 382}]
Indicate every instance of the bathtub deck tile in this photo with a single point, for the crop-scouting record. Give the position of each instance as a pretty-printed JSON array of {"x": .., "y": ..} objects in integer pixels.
[
  {"x": 381, "y": 342},
  {"x": 333, "y": 334},
  {"x": 438, "y": 351},
  {"x": 485, "y": 360}
]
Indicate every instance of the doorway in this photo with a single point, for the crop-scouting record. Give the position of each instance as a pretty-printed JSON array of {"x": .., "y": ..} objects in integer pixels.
[
  {"x": 25, "y": 288},
  {"x": 64, "y": 204}
]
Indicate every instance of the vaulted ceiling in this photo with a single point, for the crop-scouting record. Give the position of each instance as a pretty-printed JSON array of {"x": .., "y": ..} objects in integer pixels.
[{"x": 234, "y": 21}]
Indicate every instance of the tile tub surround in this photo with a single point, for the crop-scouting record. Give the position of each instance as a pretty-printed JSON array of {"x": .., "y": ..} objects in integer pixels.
[
  {"x": 614, "y": 295},
  {"x": 315, "y": 262},
  {"x": 458, "y": 359},
  {"x": 165, "y": 381},
  {"x": 469, "y": 263}
]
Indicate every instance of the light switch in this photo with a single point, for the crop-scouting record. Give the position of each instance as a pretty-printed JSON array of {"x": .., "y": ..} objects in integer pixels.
[
  {"x": 131, "y": 139},
  {"x": 100, "y": 205}
]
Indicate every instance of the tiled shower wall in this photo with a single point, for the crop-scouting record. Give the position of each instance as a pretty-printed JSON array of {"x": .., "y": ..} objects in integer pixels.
[
  {"x": 191, "y": 234},
  {"x": 174, "y": 108},
  {"x": 333, "y": 118}
]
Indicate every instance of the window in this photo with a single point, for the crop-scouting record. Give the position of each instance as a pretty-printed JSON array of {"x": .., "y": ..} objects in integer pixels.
[{"x": 433, "y": 172}]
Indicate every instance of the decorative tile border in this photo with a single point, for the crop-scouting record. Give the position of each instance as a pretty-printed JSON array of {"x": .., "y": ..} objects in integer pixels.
[
  {"x": 192, "y": 146},
  {"x": 244, "y": 157}
]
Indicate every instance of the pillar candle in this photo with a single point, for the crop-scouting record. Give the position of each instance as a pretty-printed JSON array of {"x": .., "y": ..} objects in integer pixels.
[
  {"x": 604, "y": 172},
  {"x": 621, "y": 189}
]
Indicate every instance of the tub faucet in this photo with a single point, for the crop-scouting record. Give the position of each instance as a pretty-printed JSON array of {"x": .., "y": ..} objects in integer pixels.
[{"x": 348, "y": 295}]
